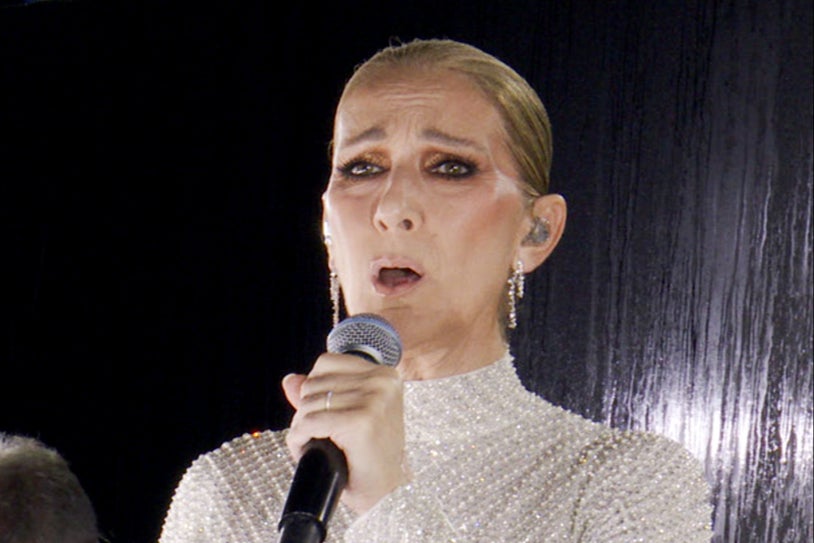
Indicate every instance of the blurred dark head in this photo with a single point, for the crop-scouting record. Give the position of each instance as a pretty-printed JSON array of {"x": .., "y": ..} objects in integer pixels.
[{"x": 41, "y": 500}]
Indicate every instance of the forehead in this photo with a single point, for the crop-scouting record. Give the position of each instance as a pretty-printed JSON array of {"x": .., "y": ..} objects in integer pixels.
[{"x": 423, "y": 98}]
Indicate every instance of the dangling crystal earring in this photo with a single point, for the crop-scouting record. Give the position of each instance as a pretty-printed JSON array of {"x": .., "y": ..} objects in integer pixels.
[
  {"x": 516, "y": 287},
  {"x": 334, "y": 288}
]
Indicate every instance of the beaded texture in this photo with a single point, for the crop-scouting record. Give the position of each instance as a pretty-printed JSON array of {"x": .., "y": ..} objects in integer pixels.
[{"x": 491, "y": 462}]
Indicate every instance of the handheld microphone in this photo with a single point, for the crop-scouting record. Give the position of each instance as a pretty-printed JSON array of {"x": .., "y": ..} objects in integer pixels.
[{"x": 322, "y": 471}]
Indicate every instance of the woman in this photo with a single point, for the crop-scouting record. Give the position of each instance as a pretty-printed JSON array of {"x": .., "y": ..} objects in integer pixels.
[{"x": 436, "y": 207}]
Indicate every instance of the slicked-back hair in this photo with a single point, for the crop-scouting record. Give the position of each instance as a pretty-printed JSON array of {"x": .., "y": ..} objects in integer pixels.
[{"x": 524, "y": 116}]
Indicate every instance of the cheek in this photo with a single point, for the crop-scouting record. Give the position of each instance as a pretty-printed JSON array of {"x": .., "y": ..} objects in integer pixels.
[
  {"x": 480, "y": 246},
  {"x": 487, "y": 225},
  {"x": 343, "y": 217},
  {"x": 349, "y": 236},
  {"x": 346, "y": 243}
]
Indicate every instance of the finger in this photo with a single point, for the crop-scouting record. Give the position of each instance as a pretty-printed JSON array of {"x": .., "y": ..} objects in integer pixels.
[
  {"x": 332, "y": 400},
  {"x": 292, "y": 387},
  {"x": 339, "y": 416},
  {"x": 319, "y": 386},
  {"x": 310, "y": 423},
  {"x": 340, "y": 364},
  {"x": 345, "y": 377}
]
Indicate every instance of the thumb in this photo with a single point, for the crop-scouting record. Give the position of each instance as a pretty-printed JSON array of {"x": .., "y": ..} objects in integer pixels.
[{"x": 292, "y": 383}]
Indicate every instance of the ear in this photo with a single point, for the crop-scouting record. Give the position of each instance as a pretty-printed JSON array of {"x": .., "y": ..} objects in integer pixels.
[{"x": 551, "y": 209}]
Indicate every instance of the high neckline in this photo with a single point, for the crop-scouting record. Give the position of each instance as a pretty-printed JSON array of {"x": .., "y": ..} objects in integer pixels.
[{"x": 460, "y": 406}]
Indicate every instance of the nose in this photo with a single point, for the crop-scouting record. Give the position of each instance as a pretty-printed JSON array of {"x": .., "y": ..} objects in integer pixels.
[{"x": 399, "y": 207}]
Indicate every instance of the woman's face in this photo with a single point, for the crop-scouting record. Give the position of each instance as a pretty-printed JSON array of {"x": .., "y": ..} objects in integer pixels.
[{"x": 424, "y": 207}]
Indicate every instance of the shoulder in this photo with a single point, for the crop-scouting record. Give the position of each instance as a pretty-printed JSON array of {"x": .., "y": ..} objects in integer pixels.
[
  {"x": 599, "y": 446},
  {"x": 235, "y": 465},
  {"x": 641, "y": 448},
  {"x": 641, "y": 461},
  {"x": 223, "y": 489},
  {"x": 579, "y": 432},
  {"x": 645, "y": 483},
  {"x": 248, "y": 452},
  {"x": 628, "y": 482}
]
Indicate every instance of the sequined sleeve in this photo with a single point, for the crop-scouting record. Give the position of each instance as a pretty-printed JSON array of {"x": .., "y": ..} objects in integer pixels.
[
  {"x": 642, "y": 487},
  {"x": 192, "y": 508},
  {"x": 233, "y": 494},
  {"x": 410, "y": 514}
]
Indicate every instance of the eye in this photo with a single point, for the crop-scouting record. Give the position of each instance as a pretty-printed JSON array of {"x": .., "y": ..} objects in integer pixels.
[
  {"x": 453, "y": 168},
  {"x": 360, "y": 168}
]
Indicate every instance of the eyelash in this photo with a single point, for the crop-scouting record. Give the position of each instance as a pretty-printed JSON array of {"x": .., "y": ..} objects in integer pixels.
[
  {"x": 469, "y": 167},
  {"x": 347, "y": 169}
]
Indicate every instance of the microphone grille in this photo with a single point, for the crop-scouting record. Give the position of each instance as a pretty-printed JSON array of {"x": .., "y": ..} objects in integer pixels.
[{"x": 366, "y": 334}]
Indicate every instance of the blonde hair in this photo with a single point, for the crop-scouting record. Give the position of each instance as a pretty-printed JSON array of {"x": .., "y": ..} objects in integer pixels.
[{"x": 525, "y": 118}]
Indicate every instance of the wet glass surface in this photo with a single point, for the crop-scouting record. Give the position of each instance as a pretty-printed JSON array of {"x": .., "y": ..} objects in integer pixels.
[{"x": 692, "y": 315}]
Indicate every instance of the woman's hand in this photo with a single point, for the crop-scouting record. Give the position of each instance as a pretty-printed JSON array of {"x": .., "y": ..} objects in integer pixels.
[{"x": 364, "y": 417}]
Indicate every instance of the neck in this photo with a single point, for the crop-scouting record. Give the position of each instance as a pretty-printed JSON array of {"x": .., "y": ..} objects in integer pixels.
[{"x": 437, "y": 359}]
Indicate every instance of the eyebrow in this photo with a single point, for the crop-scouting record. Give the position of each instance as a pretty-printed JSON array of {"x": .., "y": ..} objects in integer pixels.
[
  {"x": 378, "y": 133},
  {"x": 434, "y": 134}
]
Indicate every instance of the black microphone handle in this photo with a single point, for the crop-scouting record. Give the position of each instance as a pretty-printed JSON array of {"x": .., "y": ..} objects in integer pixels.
[
  {"x": 301, "y": 530},
  {"x": 322, "y": 472},
  {"x": 321, "y": 475}
]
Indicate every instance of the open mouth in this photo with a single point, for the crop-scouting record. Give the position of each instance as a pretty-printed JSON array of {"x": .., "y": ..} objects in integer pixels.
[
  {"x": 393, "y": 275},
  {"x": 393, "y": 278}
]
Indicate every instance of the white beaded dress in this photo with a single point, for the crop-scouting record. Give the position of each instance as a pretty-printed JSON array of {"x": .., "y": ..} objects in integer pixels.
[{"x": 491, "y": 462}]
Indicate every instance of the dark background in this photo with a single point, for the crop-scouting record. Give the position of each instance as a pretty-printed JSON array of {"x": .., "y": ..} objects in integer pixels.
[{"x": 162, "y": 164}]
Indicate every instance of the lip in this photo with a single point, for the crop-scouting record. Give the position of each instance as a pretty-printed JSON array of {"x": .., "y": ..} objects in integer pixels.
[{"x": 383, "y": 289}]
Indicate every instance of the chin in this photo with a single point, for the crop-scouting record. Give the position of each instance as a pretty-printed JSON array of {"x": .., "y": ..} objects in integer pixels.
[{"x": 403, "y": 318}]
